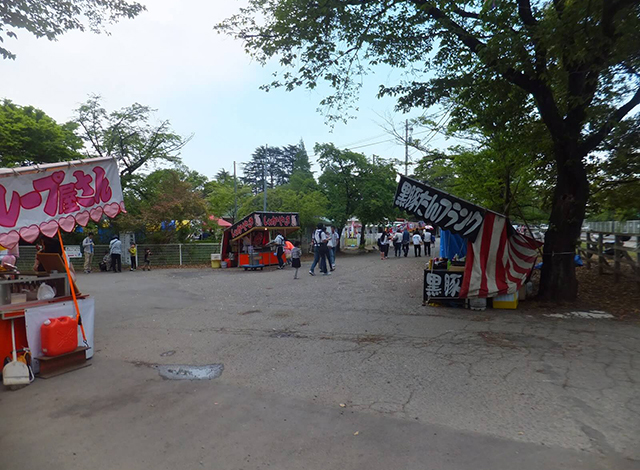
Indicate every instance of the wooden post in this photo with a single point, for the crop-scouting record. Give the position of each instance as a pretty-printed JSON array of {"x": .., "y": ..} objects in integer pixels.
[
  {"x": 587, "y": 254},
  {"x": 638, "y": 262},
  {"x": 600, "y": 253},
  {"x": 616, "y": 257}
]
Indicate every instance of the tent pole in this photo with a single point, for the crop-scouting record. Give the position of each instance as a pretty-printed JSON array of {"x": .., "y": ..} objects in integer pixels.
[{"x": 73, "y": 290}]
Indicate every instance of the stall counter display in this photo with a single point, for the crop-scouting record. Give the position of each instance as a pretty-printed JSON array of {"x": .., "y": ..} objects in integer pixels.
[{"x": 441, "y": 284}]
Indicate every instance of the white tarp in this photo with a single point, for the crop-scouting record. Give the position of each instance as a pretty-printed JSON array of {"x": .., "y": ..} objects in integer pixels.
[
  {"x": 35, "y": 317},
  {"x": 41, "y": 199}
]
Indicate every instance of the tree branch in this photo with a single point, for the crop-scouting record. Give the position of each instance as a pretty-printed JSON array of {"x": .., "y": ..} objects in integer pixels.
[
  {"x": 559, "y": 5},
  {"x": 542, "y": 93},
  {"x": 466, "y": 14},
  {"x": 593, "y": 140},
  {"x": 524, "y": 10}
]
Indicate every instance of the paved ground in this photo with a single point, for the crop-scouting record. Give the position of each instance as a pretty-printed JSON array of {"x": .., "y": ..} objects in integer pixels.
[{"x": 424, "y": 388}]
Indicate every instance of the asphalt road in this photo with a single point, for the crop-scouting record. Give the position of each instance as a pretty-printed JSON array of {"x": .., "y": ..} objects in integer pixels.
[{"x": 422, "y": 387}]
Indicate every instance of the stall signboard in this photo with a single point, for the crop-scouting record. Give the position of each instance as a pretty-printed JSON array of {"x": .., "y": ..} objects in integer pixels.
[
  {"x": 73, "y": 251},
  {"x": 442, "y": 284},
  {"x": 264, "y": 219},
  {"x": 439, "y": 208},
  {"x": 42, "y": 199}
]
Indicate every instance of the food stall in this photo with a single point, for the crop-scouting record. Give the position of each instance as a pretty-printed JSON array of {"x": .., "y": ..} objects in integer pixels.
[
  {"x": 37, "y": 203},
  {"x": 498, "y": 259},
  {"x": 247, "y": 243}
]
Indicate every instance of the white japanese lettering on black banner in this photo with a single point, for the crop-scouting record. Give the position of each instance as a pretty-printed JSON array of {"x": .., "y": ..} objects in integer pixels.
[
  {"x": 442, "y": 284},
  {"x": 439, "y": 208}
]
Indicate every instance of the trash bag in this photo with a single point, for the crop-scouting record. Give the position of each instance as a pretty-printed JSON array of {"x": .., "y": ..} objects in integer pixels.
[{"x": 45, "y": 292}]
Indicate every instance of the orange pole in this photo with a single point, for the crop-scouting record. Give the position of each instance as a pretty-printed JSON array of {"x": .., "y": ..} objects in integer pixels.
[{"x": 73, "y": 291}]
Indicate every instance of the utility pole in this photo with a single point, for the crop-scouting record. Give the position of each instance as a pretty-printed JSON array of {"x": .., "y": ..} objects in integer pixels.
[
  {"x": 406, "y": 147},
  {"x": 235, "y": 194}
]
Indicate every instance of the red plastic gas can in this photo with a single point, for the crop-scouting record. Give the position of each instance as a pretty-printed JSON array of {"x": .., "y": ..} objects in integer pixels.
[{"x": 59, "y": 336}]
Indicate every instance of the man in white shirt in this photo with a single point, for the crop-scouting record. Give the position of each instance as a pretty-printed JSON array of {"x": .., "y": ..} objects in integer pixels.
[
  {"x": 426, "y": 238},
  {"x": 320, "y": 241},
  {"x": 333, "y": 243},
  {"x": 87, "y": 251},
  {"x": 115, "y": 249},
  {"x": 279, "y": 242},
  {"x": 417, "y": 243}
]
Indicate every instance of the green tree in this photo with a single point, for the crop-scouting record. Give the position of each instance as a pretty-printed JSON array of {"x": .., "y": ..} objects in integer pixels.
[
  {"x": 28, "y": 136},
  {"x": 264, "y": 164},
  {"x": 164, "y": 204},
  {"x": 277, "y": 164},
  {"x": 221, "y": 196},
  {"x": 339, "y": 181},
  {"x": 356, "y": 187},
  {"x": 377, "y": 187},
  {"x": 615, "y": 177},
  {"x": 52, "y": 18},
  {"x": 576, "y": 61},
  {"x": 310, "y": 206},
  {"x": 128, "y": 136}
]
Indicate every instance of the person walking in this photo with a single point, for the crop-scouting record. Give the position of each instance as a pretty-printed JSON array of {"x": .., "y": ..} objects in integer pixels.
[
  {"x": 133, "y": 253},
  {"x": 115, "y": 250},
  {"x": 296, "y": 253},
  {"x": 279, "y": 242},
  {"x": 417, "y": 243},
  {"x": 88, "y": 250},
  {"x": 397, "y": 243},
  {"x": 147, "y": 260},
  {"x": 332, "y": 244},
  {"x": 319, "y": 251},
  {"x": 406, "y": 240},
  {"x": 383, "y": 244},
  {"x": 426, "y": 238}
]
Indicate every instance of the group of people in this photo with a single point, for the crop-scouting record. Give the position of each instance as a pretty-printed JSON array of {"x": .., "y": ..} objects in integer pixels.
[
  {"x": 325, "y": 245},
  {"x": 403, "y": 239},
  {"x": 112, "y": 259}
]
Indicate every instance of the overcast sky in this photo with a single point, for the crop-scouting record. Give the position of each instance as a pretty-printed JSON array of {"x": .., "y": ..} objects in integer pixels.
[{"x": 170, "y": 58}]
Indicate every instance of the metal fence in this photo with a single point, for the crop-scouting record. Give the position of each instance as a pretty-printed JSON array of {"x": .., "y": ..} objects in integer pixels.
[
  {"x": 612, "y": 226},
  {"x": 183, "y": 254}
]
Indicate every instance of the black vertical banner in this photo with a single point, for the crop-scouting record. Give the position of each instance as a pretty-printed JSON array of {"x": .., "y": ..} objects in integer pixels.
[{"x": 439, "y": 208}]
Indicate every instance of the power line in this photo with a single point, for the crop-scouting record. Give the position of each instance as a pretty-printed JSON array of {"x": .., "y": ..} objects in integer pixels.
[{"x": 362, "y": 140}]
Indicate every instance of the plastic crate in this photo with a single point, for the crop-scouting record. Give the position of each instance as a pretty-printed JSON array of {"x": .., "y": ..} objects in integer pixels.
[{"x": 507, "y": 302}]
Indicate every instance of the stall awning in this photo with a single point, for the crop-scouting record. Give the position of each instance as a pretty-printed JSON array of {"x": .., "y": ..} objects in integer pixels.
[
  {"x": 499, "y": 259},
  {"x": 283, "y": 221},
  {"x": 42, "y": 199}
]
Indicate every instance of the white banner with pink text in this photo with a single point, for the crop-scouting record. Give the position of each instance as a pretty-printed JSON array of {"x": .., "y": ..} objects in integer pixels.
[{"x": 41, "y": 199}]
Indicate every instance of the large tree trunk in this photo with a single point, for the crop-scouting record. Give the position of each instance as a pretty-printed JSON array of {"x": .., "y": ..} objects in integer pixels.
[{"x": 558, "y": 282}]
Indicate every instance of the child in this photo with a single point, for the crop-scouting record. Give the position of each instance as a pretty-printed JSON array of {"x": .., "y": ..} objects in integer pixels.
[
  {"x": 133, "y": 251},
  {"x": 295, "y": 257},
  {"x": 147, "y": 260},
  {"x": 105, "y": 265}
]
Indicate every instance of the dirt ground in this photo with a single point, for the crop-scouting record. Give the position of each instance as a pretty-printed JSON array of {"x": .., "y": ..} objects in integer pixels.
[{"x": 597, "y": 292}]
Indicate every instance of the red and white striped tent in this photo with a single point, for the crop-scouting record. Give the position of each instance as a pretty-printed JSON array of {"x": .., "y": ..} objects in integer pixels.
[{"x": 499, "y": 259}]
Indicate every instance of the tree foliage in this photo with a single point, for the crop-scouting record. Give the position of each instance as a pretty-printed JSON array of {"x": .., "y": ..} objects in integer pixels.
[
  {"x": 355, "y": 187},
  {"x": 52, "y": 18},
  {"x": 221, "y": 195},
  {"x": 129, "y": 136},
  {"x": 309, "y": 205},
  {"x": 276, "y": 164},
  {"x": 168, "y": 205},
  {"x": 28, "y": 136},
  {"x": 575, "y": 61}
]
